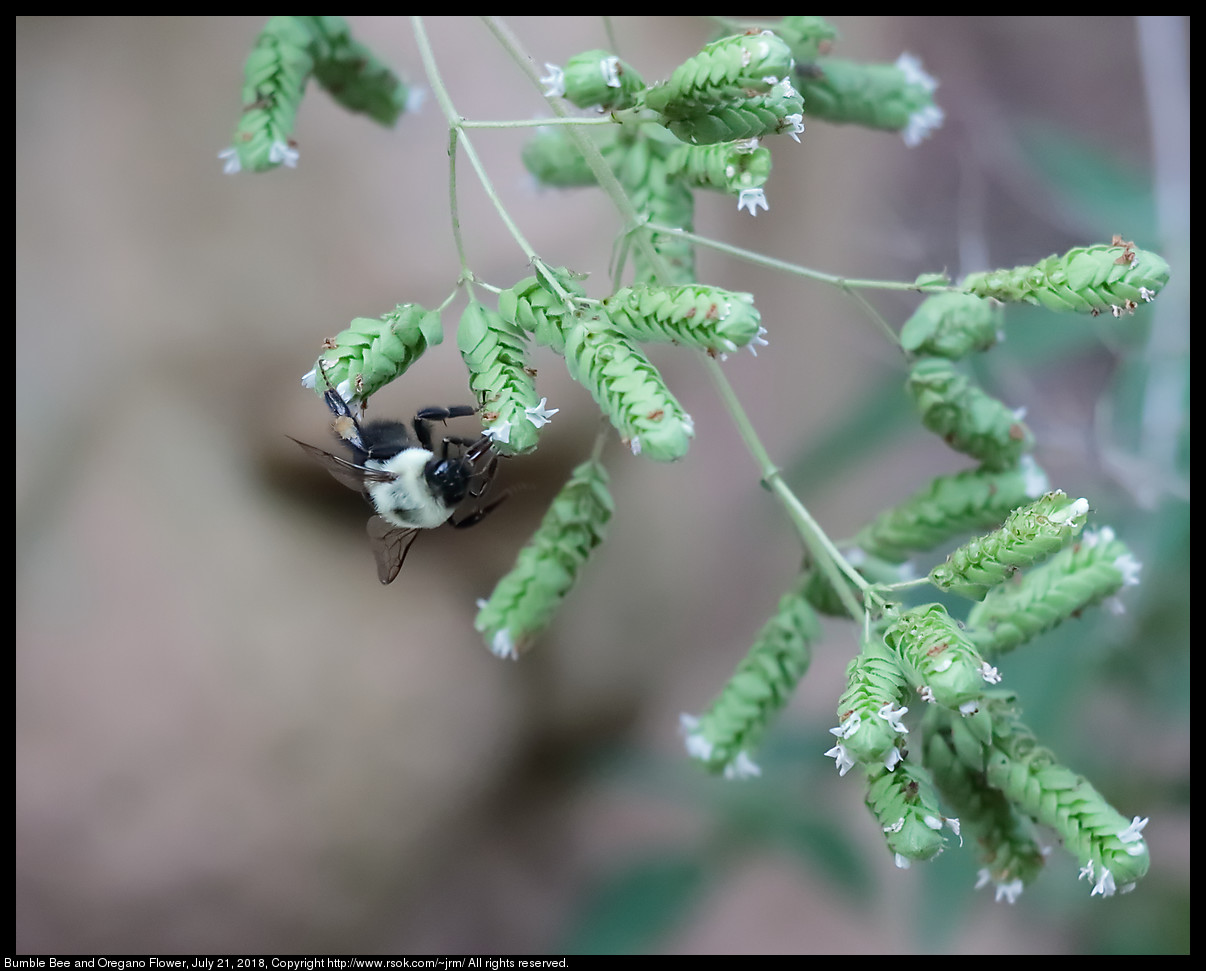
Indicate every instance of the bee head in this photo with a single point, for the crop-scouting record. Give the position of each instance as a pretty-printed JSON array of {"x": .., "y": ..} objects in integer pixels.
[{"x": 448, "y": 478}]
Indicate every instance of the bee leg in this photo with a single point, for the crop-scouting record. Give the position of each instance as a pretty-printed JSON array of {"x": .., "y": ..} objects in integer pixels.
[
  {"x": 476, "y": 517},
  {"x": 425, "y": 416}
]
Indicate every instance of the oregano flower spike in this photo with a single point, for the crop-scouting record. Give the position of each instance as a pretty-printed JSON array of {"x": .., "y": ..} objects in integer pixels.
[
  {"x": 274, "y": 80},
  {"x": 780, "y": 111},
  {"x": 371, "y": 352},
  {"x": 1004, "y": 837},
  {"x": 941, "y": 662},
  {"x": 354, "y": 76},
  {"x": 525, "y": 599},
  {"x": 952, "y": 325},
  {"x": 890, "y": 97},
  {"x": 287, "y": 51},
  {"x": 727, "y": 70},
  {"x": 1110, "y": 847},
  {"x": 724, "y": 736},
  {"x": 905, "y": 804},
  {"x": 535, "y": 307},
  {"x": 968, "y": 419},
  {"x": 807, "y": 36},
  {"x": 1030, "y": 534},
  {"x": 494, "y": 350},
  {"x": 951, "y": 506},
  {"x": 728, "y": 167},
  {"x": 871, "y": 709},
  {"x": 1082, "y": 574},
  {"x": 629, "y": 390},
  {"x": 1114, "y": 278},
  {"x": 712, "y": 319},
  {"x": 596, "y": 79}
]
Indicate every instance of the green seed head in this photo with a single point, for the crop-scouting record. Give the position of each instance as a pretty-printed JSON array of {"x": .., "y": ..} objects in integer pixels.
[
  {"x": 939, "y": 660},
  {"x": 371, "y": 352},
  {"x": 891, "y": 97},
  {"x": 709, "y": 318},
  {"x": 629, "y": 389},
  {"x": 952, "y": 325},
  {"x": 905, "y": 804},
  {"x": 968, "y": 420},
  {"x": 495, "y": 352},
  {"x": 1030, "y": 534},
  {"x": 728, "y": 732},
  {"x": 730, "y": 69},
  {"x": 1088, "y": 279},
  {"x": 526, "y": 598},
  {"x": 600, "y": 79}
]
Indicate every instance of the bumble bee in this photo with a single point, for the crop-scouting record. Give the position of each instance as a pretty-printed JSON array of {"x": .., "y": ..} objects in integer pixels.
[{"x": 409, "y": 485}]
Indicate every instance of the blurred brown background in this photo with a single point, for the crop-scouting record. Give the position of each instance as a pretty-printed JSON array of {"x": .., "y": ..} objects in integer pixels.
[{"x": 229, "y": 737}]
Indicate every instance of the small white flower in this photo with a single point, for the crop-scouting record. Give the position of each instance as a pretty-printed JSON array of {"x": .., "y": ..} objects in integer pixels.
[
  {"x": 893, "y": 715},
  {"x": 698, "y": 747},
  {"x": 910, "y": 66},
  {"x": 758, "y": 339},
  {"x": 989, "y": 673},
  {"x": 498, "y": 433},
  {"x": 848, "y": 727},
  {"x": 1132, "y": 834},
  {"x": 1129, "y": 567},
  {"x": 902, "y": 862},
  {"x": 230, "y": 161},
  {"x": 921, "y": 123},
  {"x": 309, "y": 379},
  {"x": 539, "y": 415},
  {"x": 281, "y": 154},
  {"x": 896, "y": 827},
  {"x": 1105, "y": 885},
  {"x": 635, "y": 444},
  {"x": 893, "y": 759},
  {"x": 610, "y": 66},
  {"x": 933, "y": 822},
  {"x": 502, "y": 646},
  {"x": 841, "y": 759},
  {"x": 926, "y": 693},
  {"x": 555, "y": 81},
  {"x": 1086, "y": 872},
  {"x": 742, "y": 767},
  {"x": 752, "y": 199},
  {"x": 796, "y": 122},
  {"x": 1146, "y": 294},
  {"x": 746, "y": 147},
  {"x": 969, "y": 708}
]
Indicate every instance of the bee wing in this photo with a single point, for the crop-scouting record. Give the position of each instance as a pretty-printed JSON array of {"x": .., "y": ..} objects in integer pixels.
[
  {"x": 390, "y": 545},
  {"x": 349, "y": 473}
]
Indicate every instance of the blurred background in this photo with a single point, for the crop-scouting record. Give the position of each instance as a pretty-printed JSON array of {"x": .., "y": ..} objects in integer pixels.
[{"x": 231, "y": 737}]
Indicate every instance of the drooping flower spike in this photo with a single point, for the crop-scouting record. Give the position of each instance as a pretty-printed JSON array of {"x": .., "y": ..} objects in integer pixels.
[
  {"x": 724, "y": 737},
  {"x": 287, "y": 52},
  {"x": 955, "y": 408},
  {"x": 526, "y": 598},
  {"x": 628, "y": 388},
  {"x": 1082, "y": 574},
  {"x": 371, "y": 352},
  {"x": 725, "y": 71},
  {"x": 891, "y": 97},
  {"x": 596, "y": 79},
  {"x": 710, "y": 318},
  {"x": 942, "y": 664},
  {"x": 1030, "y": 534},
  {"x": 494, "y": 350},
  {"x": 872, "y": 707},
  {"x": 949, "y": 507},
  {"x": 1115, "y": 278},
  {"x": 952, "y": 325},
  {"x": 905, "y": 804}
]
